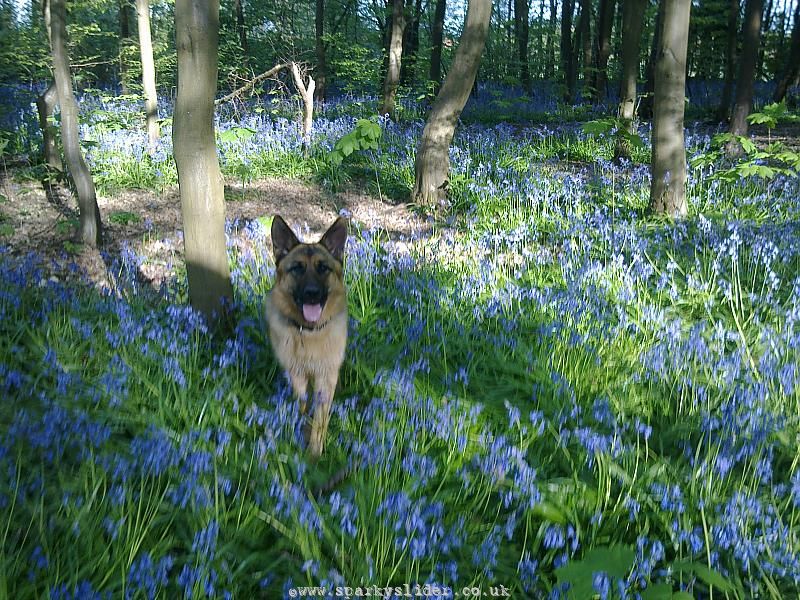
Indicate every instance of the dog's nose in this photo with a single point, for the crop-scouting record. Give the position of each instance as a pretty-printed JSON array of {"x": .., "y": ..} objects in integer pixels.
[{"x": 312, "y": 293}]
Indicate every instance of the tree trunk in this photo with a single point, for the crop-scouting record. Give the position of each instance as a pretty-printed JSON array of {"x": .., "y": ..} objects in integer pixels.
[
  {"x": 605, "y": 25},
  {"x": 124, "y": 40},
  {"x": 521, "y": 34},
  {"x": 395, "y": 56},
  {"x": 432, "y": 164},
  {"x": 632, "y": 23},
  {"x": 148, "y": 72},
  {"x": 668, "y": 185},
  {"x": 751, "y": 34},
  {"x": 646, "y": 105},
  {"x": 199, "y": 178},
  {"x": 90, "y": 229},
  {"x": 550, "y": 67},
  {"x": 242, "y": 30},
  {"x": 730, "y": 61},
  {"x": 437, "y": 37},
  {"x": 585, "y": 37},
  {"x": 45, "y": 104},
  {"x": 793, "y": 64},
  {"x": 322, "y": 63},
  {"x": 567, "y": 8},
  {"x": 306, "y": 92},
  {"x": 411, "y": 46}
]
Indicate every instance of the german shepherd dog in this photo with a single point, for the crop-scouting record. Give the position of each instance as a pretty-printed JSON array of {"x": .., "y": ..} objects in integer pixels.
[{"x": 306, "y": 312}]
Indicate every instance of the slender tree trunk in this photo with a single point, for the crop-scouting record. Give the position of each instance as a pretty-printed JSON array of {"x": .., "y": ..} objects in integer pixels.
[
  {"x": 730, "y": 61},
  {"x": 585, "y": 36},
  {"x": 646, "y": 105},
  {"x": 411, "y": 46},
  {"x": 668, "y": 185},
  {"x": 45, "y": 104},
  {"x": 605, "y": 25},
  {"x": 124, "y": 40},
  {"x": 322, "y": 63},
  {"x": 395, "y": 57},
  {"x": 567, "y": 8},
  {"x": 751, "y": 35},
  {"x": 767, "y": 13},
  {"x": 437, "y": 37},
  {"x": 242, "y": 30},
  {"x": 521, "y": 35},
  {"x": 199, "y": 178},
  {"x": 550, "y": 68},
  {"x": 792, "y": 69},
  {"x": 632, "y": 24},
  {"x": 306, "y": 92},
  {"x": 148, "y": 72},
  {"x": 90, "y": 229},
  {"x": 432, "y": 164}
]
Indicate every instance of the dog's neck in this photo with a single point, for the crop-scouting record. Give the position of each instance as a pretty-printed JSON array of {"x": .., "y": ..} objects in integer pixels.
[{"x": 304, "y": 329}]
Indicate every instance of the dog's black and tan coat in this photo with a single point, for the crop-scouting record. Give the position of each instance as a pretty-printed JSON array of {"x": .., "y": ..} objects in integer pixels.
[{"x": 306, "y": 311}]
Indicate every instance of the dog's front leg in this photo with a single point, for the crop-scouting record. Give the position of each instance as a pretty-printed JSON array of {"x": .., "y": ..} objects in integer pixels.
[
  {"x": 323, "y": 400},
  {"x": 300, "y": 387}
]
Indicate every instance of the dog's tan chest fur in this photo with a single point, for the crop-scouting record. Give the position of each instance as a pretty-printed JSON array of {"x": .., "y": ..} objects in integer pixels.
[{"x": 315, "y": 353}]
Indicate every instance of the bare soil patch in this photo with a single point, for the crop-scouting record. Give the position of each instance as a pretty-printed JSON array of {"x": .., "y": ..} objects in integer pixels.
[{"x": 34, "y": 218}]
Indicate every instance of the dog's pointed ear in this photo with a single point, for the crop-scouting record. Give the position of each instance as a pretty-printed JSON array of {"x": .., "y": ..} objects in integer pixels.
[
  {"x": 283, "y": 238},
  {"x": 335, "y": 238}
]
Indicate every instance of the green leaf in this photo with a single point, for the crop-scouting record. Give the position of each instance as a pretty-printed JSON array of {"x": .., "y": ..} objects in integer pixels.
[
  {"x": 659, "y": 591},
  {"x": 598, "y": 127},
  {"x": 682, "y": 596},
  {"x": 708, "y": 576},
  {"x": 616, "y": 561}
]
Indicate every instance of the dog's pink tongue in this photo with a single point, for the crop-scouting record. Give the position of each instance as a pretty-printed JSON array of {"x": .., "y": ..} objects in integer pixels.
[{"x": 312, "y": 312}]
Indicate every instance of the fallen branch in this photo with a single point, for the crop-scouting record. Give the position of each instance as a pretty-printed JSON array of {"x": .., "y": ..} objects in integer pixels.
[{"x": 252, "y": 83}]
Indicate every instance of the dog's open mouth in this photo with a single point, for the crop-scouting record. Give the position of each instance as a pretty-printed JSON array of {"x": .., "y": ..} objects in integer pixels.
[{"x": 312, "y": 312}]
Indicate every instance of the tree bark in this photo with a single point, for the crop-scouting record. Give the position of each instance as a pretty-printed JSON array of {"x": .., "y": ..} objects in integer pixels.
[
  {"x": 90, "y": 229},
  {"x": 45, "y": 104},
  {"x": 392, "y": 79},
  {"x": 242, "y": 30},
  {"x": 646, "y": 105},
  {"x": 148, "y": 72},
  {"x": 124, "y": 40},
  {"x": 306, "y": 92},
  {"x": 521, "y": 35},
  {"x": 411, "y": 46},
  {"x": 585, "y": 44},
  {"x": 567, "y": 8},
  {"x": 751, "y": 35},
  {"x": 437, "y": 37},
  {"x": 199, "y": 178},
  {"x": 550, "y": 67},
  {"x": 632, "y": 24},
  {"x": 432, "y": 164},
  {"x": 792, "y": 70},
  {"x": 730, "y": 61},
  {"x": 322, "y": 63},
  {"x": 605, "y": 25},
  {"x": 668, "y": 185}
]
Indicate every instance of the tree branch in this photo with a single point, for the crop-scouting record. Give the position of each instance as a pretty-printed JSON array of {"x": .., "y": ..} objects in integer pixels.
[{"x": 252, "y": 83}]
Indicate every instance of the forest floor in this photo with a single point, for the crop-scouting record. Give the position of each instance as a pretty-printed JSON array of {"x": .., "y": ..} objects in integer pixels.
[{"x": 40, "y": 218}]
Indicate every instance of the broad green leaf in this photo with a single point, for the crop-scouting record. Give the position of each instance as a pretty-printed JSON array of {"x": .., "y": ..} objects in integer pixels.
[
  {"x": 616, "y": 561},
  {"x": 659, "y": 591},
  {"x": 598, "y": 127},
  {"x": 706, "y": 575}
]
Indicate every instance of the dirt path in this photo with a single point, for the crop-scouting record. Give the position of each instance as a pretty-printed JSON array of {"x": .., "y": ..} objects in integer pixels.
[{"x": 32, "y": 220}]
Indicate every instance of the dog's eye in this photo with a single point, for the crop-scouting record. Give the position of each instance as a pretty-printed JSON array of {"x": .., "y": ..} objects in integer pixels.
[
  {"x": 297, "y": 269},
  {"x": 322, "y": 268}
]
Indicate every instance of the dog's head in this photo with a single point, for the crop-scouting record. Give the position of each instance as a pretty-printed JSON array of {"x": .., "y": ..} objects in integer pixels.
[{"x": 310, "y": 275}]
